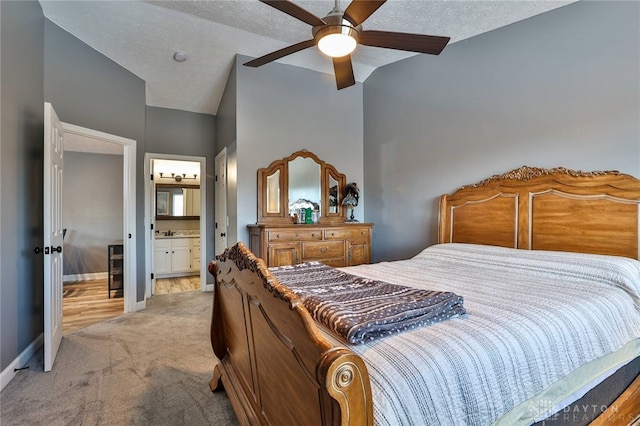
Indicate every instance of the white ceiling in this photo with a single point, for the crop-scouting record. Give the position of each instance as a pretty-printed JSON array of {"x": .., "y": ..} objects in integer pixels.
[{"x": 142, "y": 36}]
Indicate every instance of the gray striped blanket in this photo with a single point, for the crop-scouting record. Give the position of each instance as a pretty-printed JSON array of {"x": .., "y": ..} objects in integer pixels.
[{"x": 361, "y": 309}]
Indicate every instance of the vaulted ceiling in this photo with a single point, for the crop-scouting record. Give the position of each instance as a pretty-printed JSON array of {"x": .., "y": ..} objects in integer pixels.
[{"x": 142, "y": 36}]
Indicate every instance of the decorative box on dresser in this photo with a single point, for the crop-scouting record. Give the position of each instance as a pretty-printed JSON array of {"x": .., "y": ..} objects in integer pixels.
[{"x": 336, "y": 244}]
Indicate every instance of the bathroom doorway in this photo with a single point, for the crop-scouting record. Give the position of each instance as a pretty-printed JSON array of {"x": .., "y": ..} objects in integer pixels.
[{"x": 176, "y": 215}]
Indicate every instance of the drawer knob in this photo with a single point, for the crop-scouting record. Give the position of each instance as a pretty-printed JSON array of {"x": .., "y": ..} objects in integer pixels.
[{"x": 324, "y": 249}]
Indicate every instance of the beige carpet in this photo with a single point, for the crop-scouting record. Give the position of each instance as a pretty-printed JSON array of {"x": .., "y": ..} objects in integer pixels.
[{"x": 147, "y": 368}]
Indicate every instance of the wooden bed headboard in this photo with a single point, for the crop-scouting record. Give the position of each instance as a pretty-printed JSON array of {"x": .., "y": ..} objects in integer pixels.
[{"x": 547, "y": 209}]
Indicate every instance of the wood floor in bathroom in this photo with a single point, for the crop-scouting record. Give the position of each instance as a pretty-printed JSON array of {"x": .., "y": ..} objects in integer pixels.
[
  {"x": 178, "y": 284},
  {"x": 86, "y": 302}
]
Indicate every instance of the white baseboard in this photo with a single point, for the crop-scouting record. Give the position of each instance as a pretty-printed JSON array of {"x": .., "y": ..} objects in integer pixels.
[
  {"x": 8, "y": 373},
  {"x": 209, "y": 287},
  {"x": 85, "y": 277}
]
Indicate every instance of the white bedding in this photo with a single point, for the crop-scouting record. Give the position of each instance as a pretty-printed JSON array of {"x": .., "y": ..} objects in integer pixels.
[{"x": 532, "y": 318}]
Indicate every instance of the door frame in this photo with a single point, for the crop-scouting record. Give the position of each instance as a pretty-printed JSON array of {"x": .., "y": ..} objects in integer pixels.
[
  {"x": 129, "y": 207},
  {"x": 149, "y": 217}
]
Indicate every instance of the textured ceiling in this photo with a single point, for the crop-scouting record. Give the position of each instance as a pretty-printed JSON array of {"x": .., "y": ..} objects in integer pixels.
[{"x": 142, "y": 36}]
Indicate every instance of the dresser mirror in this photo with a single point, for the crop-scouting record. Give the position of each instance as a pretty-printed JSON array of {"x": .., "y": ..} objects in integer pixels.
[
  {"x": 177, "y": 201},
  {"x": 301, "y": 180},
  {"x": 304, "y": 184}
]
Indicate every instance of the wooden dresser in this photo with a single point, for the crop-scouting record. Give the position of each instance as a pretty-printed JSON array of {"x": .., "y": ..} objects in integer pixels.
[{"x": 335, "y": 244}]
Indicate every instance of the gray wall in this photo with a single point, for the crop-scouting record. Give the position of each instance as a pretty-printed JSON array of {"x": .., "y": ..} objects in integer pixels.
[
  {"x": 559, "y": 89},
  {"x": 21, "y": 161},
  {"x": 92, "y": 211},
  {"x": 226, "y": 118},
  {"x": 226, "y": 136},
  {"x": 171, "y": 131},
  {"x": 281, "y": 109},
  {"x": 89, "y": 90}
]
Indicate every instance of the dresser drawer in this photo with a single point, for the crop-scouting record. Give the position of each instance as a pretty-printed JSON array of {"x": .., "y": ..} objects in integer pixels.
[
  {"x": 295, "y": 235},
  {"x": 322, "y": 250},
  {"x": 346, "y": 234}
]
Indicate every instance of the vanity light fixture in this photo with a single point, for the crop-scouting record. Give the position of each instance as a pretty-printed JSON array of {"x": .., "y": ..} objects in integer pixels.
[{"x": 179, "y": 177}]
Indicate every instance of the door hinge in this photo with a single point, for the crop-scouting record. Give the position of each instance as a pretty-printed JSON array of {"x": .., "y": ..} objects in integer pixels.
[
  {"x": 152, "y": 226},
  {"x": 152, "y": 276},
  {"x": 151, "y": 176},
  {"x": 216, "y": 225},
  {"x": 216, "y": 178}
]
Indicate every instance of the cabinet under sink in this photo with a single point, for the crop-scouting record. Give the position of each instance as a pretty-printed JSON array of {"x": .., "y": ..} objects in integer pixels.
[{"x": 176, "y": 256}]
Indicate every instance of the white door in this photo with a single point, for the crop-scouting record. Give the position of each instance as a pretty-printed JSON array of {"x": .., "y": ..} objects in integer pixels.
[
  {"x": 221, "y": 202},
  {"x": 53, "y": 161}
]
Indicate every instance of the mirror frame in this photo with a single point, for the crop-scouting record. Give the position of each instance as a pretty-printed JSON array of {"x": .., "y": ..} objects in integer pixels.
[
  {"x": 174, "y": 185},
  {"x": 282, "y": 165}
]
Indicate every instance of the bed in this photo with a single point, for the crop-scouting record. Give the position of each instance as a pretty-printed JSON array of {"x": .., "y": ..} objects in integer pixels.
[{"x": 547, "y": 263}]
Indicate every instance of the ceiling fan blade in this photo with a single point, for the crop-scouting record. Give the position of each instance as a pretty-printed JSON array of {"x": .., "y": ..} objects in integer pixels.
[
  {"x": 359, "y": 10},
  {"x": 280, "y": 53},
  {"x": 344, "y": 72},
  {"x": 296, "y": 11},
  {"x": 432, "y": 45}
]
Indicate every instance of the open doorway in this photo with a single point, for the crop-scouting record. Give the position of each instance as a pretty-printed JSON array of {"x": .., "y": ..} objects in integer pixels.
[
  {"x": 98, "y": 215},
  {"x": 176, "y": 221}
]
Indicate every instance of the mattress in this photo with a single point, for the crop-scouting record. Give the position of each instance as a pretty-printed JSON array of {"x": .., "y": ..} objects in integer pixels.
[{"x": 541, "y": 328}]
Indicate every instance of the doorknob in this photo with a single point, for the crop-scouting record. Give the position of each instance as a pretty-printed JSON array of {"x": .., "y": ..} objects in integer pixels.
[
  {"x": 56, "y": 249},
  {"x": 37, "y": 250},
  {"x": 223, "y": 234}
]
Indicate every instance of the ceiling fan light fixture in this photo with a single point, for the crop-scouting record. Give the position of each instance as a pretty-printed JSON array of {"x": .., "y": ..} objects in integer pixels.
[
  {"x": 337, "y": 45},
  {"x": 338, "y": 38}
]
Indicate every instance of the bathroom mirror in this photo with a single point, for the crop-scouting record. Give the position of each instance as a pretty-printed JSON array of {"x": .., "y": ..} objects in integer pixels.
[
  {"x": 177, "y": 201},
  {"x": 301, "y": 180}
]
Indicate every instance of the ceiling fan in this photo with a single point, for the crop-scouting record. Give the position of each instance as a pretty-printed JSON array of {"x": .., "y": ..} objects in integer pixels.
[{"x": 339, "y": 33}]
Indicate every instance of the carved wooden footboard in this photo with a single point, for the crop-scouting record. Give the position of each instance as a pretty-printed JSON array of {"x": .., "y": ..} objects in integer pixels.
[{"x": 275, "y": 365}]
